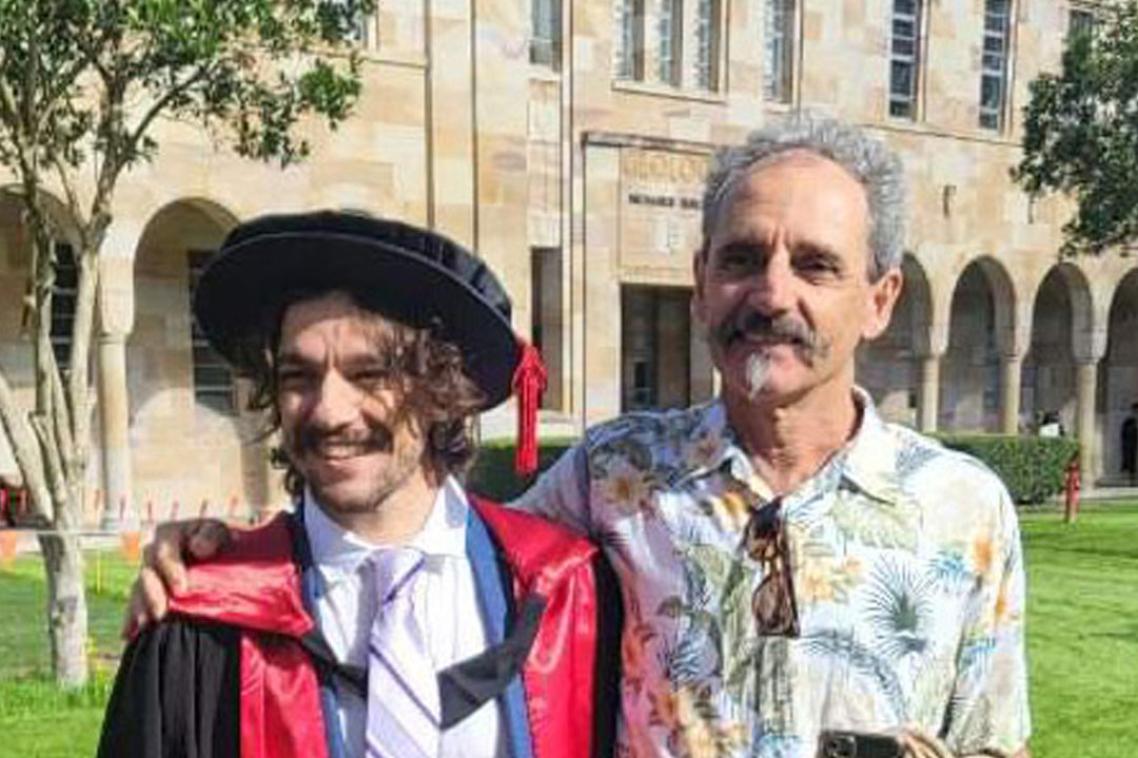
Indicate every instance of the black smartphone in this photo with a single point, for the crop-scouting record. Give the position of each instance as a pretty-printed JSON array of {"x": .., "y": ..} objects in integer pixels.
[{"x": 839, "y": 744}]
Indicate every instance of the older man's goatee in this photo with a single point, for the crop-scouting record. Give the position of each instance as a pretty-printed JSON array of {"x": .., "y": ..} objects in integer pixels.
[{"x": 758, "y": 369}]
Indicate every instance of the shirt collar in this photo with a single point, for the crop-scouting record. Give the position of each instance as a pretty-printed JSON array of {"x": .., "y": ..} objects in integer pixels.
[
  {"x": 865, "y": 461},
  {"x": 712, "y": 442},
  {"x": 869, "y": 460},
  {"x": 338, "y": 552}
]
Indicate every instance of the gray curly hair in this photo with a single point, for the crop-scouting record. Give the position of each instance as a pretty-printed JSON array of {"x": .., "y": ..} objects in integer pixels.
[{"x": 868, "y": 160}]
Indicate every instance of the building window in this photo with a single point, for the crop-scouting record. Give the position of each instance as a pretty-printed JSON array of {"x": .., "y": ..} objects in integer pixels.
[
  {"x": 628, "y": 56},
  {"x": 706, "y": 62},
  {"x": 994, "y": 68},
  {"x": 778, "y": 53},
  {"x": 1080, "y": 21},
  {"x": 669, "y": 33},
  {"x": 905, "y": 58},
  {"x": 363, "y": 26},
  {"x": 364, "y": 33},
  {"x": 683, "y": 48},
  {"x": 213, "y": 381},
  {"x": 545, "y": 41},
  {"x": 63, "y": 296}
]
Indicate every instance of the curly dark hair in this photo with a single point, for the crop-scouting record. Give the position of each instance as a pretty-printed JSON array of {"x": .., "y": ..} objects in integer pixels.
[{"x": 438, "y": 389}]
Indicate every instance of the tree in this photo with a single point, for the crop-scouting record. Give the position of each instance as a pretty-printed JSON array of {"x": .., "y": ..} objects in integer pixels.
[
  {"x": 1081, "y": 132},
  {"x": 82, "y": 84}
]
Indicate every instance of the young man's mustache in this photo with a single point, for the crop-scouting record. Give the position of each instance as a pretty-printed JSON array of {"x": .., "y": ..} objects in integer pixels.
[{"x": 314, "y": 440}]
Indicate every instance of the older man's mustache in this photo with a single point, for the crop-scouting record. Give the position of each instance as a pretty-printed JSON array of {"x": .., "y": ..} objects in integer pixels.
[{"x": 748, "y": 323}]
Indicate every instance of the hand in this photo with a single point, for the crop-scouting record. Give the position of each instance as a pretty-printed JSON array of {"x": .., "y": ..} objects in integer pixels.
[
  {"x": 163, "y": 571},
  {"x": 918, "y": 744}
]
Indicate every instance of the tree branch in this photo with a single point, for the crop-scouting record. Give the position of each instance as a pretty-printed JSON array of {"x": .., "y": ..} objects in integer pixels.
[
  {"x": 56, "y": 439},
  {"x": 68, "y": 188},
  {"x": 25, "y": 449},
  {"x": 91, "y": 55},
  {"x": 160, "y": 104},
  {"x": 81, "y": 333},
  {"x": 62, "y": 83},
  {"x": 56, "y": 478},
  {"x": 61, "y": 415},
  {"x": 10, "y": 115}
]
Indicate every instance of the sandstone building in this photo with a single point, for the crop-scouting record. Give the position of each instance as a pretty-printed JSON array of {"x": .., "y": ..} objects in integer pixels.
[{"x": 566, "y": 143}]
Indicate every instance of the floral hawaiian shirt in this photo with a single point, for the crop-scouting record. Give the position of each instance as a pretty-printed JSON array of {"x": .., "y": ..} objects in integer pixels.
[{"x": 906, "y": 566}]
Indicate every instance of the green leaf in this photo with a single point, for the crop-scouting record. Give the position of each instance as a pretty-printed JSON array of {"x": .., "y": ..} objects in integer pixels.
[{"x": 1081, "y": 133}]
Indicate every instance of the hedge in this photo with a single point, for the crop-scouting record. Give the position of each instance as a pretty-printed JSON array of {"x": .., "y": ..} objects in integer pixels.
[
  {"x": 493, "y": 473},
  {"x": 1033, "y": 468}
]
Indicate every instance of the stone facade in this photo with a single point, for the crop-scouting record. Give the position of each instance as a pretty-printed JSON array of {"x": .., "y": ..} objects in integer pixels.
[{"x": 579, "y": 182}]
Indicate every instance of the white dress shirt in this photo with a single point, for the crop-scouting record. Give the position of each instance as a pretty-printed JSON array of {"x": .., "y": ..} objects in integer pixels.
[{"x": 445, "y": 602}]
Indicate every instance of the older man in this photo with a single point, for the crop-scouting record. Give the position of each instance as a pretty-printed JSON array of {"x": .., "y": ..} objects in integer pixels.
[
  {"x": 799, "y": 577},
  {"x": 391, "y": 615}
]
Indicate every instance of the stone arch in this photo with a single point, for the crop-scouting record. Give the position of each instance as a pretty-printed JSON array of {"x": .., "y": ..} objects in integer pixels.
[
  {"x": 208, "y": 446},
  {"x": 1118, "y": 373},
  {"x": 1061, "y": 324},
  {"x": 888, "y": 367},
  {"x": 163, "y": 324},
  {"x": 982, "y": 327}
]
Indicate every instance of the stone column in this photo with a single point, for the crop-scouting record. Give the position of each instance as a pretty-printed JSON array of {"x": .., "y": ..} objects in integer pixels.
[
  {"x": 1011, "y": 368},
  {"x": 928, "y": 395},
  {"x": 114, "y": 413},
  {"x": 116, "y": 319},
  {"x": 702, "y": 371},
  {"x": 601, "y": 297},
  {"x": 1086, "y": 382}
]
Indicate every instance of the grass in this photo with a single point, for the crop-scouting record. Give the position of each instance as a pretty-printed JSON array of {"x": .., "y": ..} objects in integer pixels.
[
  {"x": 1083, "y": 631},
  {"x": 23, "y": 644},
  {"x": 37, "y": 720},
  {"x": 1082, "y": 643}
]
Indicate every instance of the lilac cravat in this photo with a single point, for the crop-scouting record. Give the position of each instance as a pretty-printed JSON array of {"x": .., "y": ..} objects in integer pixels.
[{"x": 403, "y": 694}]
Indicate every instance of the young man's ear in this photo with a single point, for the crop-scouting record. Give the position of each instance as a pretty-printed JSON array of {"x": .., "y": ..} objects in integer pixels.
[{"x": 883, "y": 295}]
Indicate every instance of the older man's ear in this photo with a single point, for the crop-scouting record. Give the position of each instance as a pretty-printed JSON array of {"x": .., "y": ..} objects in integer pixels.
[
  {"x": 883, "y": 296},
  {"x": 163, "y": 571}
]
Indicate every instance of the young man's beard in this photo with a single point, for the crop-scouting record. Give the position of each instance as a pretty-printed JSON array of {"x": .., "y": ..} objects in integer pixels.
[{"x": 757, "y": 372}]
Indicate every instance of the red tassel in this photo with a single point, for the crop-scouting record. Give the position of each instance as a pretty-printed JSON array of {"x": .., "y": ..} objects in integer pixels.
[{"x": 528, "y": 383}]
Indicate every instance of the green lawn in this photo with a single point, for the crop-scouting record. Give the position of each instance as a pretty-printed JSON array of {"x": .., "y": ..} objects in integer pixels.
[
  {"x": 1082, "y": 643},
  {"x": 36, "y": 720},
  {"x": 1083, "y": 632}
]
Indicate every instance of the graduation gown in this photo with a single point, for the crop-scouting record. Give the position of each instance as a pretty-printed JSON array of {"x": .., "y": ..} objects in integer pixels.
[{"x": 239, "y": 669}]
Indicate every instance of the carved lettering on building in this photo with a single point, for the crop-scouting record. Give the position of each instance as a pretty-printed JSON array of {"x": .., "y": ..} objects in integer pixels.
[
  {"x": 659, "y": 166},
  {"x": 660, "y": 206},
  {"x": 664, "y": 201}
]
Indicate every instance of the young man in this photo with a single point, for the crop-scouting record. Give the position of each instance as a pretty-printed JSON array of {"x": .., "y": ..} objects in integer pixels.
[
  {"x": 800, "y": 578},
  {"x": 391, "y": 614}
]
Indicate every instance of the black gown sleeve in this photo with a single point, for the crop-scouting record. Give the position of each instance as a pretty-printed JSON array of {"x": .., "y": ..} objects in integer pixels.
[
  {"x": 606, "y": 681},
  {"x": 176, "y": 695}
]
